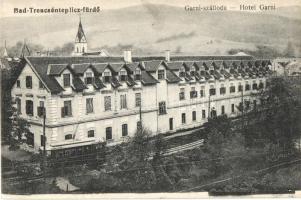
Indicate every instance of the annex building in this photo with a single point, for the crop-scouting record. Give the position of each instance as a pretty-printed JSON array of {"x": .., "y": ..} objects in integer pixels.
[{"x": 90, "y": 99}]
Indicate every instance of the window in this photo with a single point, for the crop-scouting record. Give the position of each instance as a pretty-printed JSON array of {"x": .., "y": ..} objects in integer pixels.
[
  {"x": 41, "y": 109},
  {"x": 18, "y": 84},
  {"x": 123, "y": 103},
  {"x": 89, "y": 105},
  {"x": 202, "y": 91},
  {"x": 83, "y": 49},
  {"x": 232, "y": 108},
  {"x": 254, "y": 86},
  {"x": 18, "y": 102},
  {"x": 212, "y": 91},
  {"x": 43, "y": 140},
  {"x": 66, "y": 78},
  {"x": 247, "y": 87},
  {"x": 162, "y": 108},
  {"x": 193, "y": 93},
  {"x": 107, "y": 100},
  {"x": 122, "y": 75},
  {"x": 138, "y": 99},
  {"x": 124, "y": 128},
  {"x": 183, "y": 118},
  {"x": 193, "y": 115},
  {"x": 161, "y": 74},
  {"x": 213, "y": 113},
  {"x": 28, "y": 82},
  {"x": 109, "y": 133},
  {"x": 223, "y": 110},
  {"x": 29, "y": 107},
  {"x": 107, "y": 77},
  {"x": 68, "y": 137},
  {"x": 240, "y": 88},
  {"x": 67, "y": 109},
  {"x": 232, "y": 89},
  {"x": 89, "y": 78},
  {"x": 138, "y": 74},
  {"x": 192, "y": 71},
  {"x": 182, "y": 94},
  {"x": 41, "y": 85},
  {"x": 222, "y": 90},
  {"x": 91, "y": 133},
  {"x": 30, "y": 139},
  {"x": 203, "y": 114},
  {"x": 261, "y": 85},
  {"x": 182, "y": 72}
]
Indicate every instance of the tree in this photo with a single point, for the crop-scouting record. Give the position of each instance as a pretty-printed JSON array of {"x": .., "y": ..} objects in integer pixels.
[
  {"x": 17, "y": 129},
  {"x": 280, "y": 113}
]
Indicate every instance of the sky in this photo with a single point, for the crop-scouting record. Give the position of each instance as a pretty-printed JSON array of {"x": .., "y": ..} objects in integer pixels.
[{"x": 7, "y": 6}]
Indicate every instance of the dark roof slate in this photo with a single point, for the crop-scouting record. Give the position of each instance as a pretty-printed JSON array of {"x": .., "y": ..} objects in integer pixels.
[
  {"x": 147, "y": 78},
  {"x": 56, "y": 69},
  {"x": 171, "y": 77},
  {"x": 98, "y": 84},
  {"x": 78, "y": 84}
]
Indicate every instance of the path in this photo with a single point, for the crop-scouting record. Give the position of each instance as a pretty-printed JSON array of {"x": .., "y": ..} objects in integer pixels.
[{"x": 65, "y": 185}]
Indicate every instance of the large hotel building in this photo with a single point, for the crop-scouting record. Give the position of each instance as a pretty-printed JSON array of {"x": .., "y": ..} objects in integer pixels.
[{"x": 93, "y": 98}]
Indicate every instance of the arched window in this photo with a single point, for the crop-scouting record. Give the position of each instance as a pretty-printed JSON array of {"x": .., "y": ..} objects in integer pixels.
[
  {"x": 83, "y": 49},
  {"x": 77, "y": 49}
]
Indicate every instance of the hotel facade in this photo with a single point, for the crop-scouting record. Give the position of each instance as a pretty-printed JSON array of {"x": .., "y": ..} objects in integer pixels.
[{"x": 90, "y": 98}]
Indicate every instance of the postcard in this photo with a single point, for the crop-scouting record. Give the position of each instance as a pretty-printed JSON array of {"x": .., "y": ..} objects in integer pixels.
[{"x": 150, "y": 99}]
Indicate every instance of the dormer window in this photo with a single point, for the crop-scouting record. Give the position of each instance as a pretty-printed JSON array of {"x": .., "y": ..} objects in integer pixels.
[
  {"x": 137, "y": 74},
  {"x": 123, "y": 75},
  {"x": 182, "y": 72},
  {"x": 89, "y": 78},
  {"x": 107, "y": 77},
  {"x": 192, "y": 71},
  {"x": 161, "y": 74},
  {"x": 66, "y": 80}
]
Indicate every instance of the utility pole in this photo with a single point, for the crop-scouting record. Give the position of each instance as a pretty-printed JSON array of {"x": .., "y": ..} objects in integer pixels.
[
  {"x": 140, "y": 116},
  {"x": 44, "y": 144},
  {"x": 209, "y": 104}
]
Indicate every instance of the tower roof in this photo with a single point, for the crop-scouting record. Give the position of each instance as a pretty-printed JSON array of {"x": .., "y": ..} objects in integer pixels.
[
  {"x": 5, "y": 53},
  {"x": 80, "y": 36},
  {"x": 25, "y": 51}
]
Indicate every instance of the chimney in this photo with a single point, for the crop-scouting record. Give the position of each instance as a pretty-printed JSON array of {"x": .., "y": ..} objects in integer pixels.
[
  {"x": 127, "y": 54},
  {"x": 167, "y": 55}
]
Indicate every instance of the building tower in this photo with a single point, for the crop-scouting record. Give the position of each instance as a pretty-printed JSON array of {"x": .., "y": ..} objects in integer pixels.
[
  {"x": 80, "y": 45},
  {"x": 5, "y": 53}
]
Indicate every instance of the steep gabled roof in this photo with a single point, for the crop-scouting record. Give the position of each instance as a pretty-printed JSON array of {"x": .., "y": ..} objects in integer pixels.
[
  {"x": 56, "y": 69},
  {"x": 78, "y": 84},
  {"x": 80, "y": 36},
  {"x": 147, "y": 78},
  {"x": 80, "y": 68},
  {"x": 152, "y": 66}
]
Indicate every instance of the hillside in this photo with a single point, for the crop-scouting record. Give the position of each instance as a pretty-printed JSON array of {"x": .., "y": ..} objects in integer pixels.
[{"x": 151, "y": 29}]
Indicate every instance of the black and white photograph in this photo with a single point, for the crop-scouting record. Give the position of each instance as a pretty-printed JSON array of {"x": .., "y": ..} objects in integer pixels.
[{"x": 134, "y": 98}]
